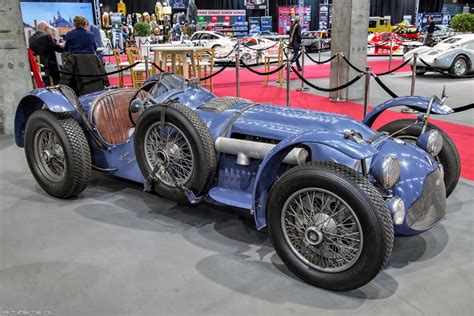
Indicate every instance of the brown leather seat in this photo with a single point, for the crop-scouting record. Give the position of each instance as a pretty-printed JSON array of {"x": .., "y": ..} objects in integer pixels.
[{"x": 109, "y": 114}]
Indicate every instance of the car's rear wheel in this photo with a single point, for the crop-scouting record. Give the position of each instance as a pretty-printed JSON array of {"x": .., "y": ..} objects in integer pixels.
[
  {"x": 180, "y": 150},
  {"x": 57, "y": 153},
  {"x": 420, "y": 70},
  {"x": 329, "y": 225},
  {"x": 408, "y": 131},
  {"x": 460, "y": 66}
]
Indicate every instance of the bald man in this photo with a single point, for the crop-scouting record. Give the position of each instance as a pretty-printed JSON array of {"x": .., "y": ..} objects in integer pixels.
[{"x": 43, "y": 45}]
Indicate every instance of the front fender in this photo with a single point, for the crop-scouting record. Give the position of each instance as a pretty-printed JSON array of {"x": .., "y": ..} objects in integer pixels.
[
  {"x": 54, "y": 100},
  {"x": 268, "y": 169},
  {"x": 417, "y": 103}
]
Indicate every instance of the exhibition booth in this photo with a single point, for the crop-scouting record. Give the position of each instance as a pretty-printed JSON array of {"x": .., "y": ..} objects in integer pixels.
[{"x": 201, "y": 156}]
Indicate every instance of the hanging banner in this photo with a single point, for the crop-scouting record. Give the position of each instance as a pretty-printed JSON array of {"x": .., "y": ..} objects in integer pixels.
[
  {"x": 325, "y": 16},
  {"x": 254, "y": 25},
  {"x": 286, "y": 15}
]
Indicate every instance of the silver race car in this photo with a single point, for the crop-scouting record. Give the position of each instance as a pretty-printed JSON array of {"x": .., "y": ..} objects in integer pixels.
[{"x": 455, "y": 54}]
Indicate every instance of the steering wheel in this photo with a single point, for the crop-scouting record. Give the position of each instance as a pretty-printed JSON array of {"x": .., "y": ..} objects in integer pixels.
[{"x": 144, "y": 95}]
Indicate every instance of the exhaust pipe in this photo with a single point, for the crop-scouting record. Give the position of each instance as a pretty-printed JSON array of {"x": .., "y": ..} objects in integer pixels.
[{"x": 245, "y": 149}]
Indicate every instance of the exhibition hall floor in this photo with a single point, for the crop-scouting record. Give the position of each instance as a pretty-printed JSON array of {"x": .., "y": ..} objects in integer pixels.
[{"x": 116, "y": 250}]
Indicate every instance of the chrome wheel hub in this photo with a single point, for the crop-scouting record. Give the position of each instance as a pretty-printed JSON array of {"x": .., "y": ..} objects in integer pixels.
[
  {"x": 322, "y": 230},
  {"x": 49, "y": 155},
  {"x": 173, "y": 153},
  {"x": 460, "y": 67}
]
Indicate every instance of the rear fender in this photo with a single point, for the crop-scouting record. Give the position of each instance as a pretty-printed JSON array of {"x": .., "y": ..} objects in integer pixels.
[
  {"x": 37, "y": 100},
  {"x": 268, "y": 170},
  {"x": 417, "y": 103}
]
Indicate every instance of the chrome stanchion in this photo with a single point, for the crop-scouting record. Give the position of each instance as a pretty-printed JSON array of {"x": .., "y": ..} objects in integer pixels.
[
  {"x": 146, "y": 67},
  {"x": 302, "y": 88},
  {"x": 338, "y": 92},
  {"x": 368, "y": 71},
  {"x": 320, "y": 45},
  {"x": 237, "y": 67},
  {"x": 391, "y": 51},
  {"x": 413, "y": 74},
  {"x": 288, "y": 73}
]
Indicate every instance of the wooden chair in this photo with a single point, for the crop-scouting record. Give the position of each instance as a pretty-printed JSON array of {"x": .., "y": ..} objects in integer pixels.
[
  {"x": 204, "y": 62},
  {"x": 120, "y": 64},
  {"x": 268, "y": 59},
  {"x": 42, "y": 73},
  {"x": 137, "y": 72}
]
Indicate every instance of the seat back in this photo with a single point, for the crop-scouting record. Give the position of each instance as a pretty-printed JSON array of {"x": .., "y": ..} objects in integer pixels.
[{"x": 109, "y": 113}]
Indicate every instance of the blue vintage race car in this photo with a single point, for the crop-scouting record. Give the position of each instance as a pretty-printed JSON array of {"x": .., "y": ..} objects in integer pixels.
[{"x": 331, "y": 191}]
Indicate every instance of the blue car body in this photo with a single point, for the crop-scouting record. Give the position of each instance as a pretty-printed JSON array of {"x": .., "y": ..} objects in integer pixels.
[{"x": 247, "y": 187}]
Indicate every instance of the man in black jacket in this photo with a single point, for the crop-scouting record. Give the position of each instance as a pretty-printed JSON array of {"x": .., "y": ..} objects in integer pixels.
[
  {"x": 295, "y": 41},
  {"x": 431, "y": 28},
  {"x": 43, "y": 45}
]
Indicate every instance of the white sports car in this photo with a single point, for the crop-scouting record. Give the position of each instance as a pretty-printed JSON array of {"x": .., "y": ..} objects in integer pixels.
[
  {"x": 210, "y": 39},
  {"x": 252, "y": 50},
  {"x": 455, "y": 54}
]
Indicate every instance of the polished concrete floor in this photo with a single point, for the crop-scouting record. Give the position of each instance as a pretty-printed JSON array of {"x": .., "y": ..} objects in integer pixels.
[{"x": 116, "y": 250}]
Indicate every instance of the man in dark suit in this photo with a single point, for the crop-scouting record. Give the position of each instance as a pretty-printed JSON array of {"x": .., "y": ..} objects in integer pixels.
[
  {"x": 80, "y": 40},
  {"x": 43, "y": 45},
  {"x": 295, "y": 41}
]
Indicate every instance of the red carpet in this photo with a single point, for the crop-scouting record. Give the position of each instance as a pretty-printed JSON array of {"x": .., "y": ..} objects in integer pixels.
[{"x": 461, "y": 135}]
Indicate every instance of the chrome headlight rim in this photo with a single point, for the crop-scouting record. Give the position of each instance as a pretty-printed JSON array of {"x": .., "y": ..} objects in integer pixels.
[
  {"x": 397, "y": 207},
  {"x": 431, "y": 142},
  {"x": 389, "y": 172}
]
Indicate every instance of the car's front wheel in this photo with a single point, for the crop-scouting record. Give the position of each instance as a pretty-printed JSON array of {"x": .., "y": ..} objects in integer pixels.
[
  {"x": 57, "y": 153},
  {"x": 460, "y": 66},
  {"x": 329, "y": 225}
]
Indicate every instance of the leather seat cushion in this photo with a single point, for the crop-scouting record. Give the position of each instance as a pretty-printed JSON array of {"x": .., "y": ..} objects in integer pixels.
[{"x": 110, "y": 115}]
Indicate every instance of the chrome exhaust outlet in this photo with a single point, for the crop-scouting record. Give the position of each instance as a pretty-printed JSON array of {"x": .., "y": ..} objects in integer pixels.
[{"x": 245, "y": 149}]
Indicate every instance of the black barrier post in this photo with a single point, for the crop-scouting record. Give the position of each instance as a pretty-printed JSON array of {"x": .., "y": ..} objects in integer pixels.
[
  {"x": 288, "y": 73},
  {"x": 302, "y": 88},
  {"x": 413, "y": 74},
  {"x": 368, "y": 71},
  {"x": 237, "y": 67}
]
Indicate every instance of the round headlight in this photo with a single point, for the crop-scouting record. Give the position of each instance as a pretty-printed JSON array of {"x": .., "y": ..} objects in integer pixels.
[
  {"x": 390, "y": 172},
  {"x": 397, "y": 207},
  {"x": 431, "y": 142}
]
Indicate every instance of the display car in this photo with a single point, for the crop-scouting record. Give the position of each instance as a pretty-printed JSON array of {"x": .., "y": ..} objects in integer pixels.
[
  {"x": 209, "y": 39},
  {"x": 331, "y": 191},
  {"x": 252, "y": 50},
  {"x": 455, "y": 54},
  {"x": 440, "y": 33},
  {"x": 379, "y": 44},
  {"x": 312, "y": 39},
  {"x": 379, "y": 24},
  {"x": 407, "y": 32}
]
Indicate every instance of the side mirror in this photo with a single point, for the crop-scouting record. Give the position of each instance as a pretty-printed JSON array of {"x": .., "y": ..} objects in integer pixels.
[{"x": 136, "y": 106}]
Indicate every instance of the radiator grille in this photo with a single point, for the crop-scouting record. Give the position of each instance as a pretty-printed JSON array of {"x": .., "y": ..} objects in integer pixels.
[{"x": 431, "y": 205}]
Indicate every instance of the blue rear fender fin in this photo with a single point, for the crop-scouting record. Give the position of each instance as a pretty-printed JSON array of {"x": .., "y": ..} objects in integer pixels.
[
  {"x": 268, "y": 169},
  {"x": 415, "y": 102},
  {"x": 34, "y": 101}
]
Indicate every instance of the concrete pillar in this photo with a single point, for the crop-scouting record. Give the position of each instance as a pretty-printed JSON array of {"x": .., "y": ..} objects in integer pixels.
[
  {"x": 15, "y": 78},
  {"x": 350, "y": 20}
]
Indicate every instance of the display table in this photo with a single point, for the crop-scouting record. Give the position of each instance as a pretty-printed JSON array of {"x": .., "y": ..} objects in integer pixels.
[{"x": 174, "y": 51}]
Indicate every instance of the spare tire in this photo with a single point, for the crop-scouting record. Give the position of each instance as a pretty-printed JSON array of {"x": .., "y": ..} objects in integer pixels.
[{"x": 185, "y": 158}]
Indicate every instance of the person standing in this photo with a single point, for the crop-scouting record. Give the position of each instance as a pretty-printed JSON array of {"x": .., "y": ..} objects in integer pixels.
[
  {"x": 80, "y": 40},
  {"x": 430, "y": 31},
  {"x": 43, "y": 45},
  {"x": 295, "y": 41}
]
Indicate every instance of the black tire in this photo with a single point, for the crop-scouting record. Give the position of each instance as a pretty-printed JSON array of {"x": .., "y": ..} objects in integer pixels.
[
  {"x": 201, "y": 143},
  {"x": 448, "y": 157},
  {"x": 369, "y": 209},
  {"x": 420, "y": 70},
  {"x": 73, "y": 148},
  {"x": 452, "y": 69}
]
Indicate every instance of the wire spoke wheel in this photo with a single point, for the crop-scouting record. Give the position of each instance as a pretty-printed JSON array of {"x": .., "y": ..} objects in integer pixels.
[
  {"x": 173, "y": 153},
  {"x": 49, "y": 155},
  {"x": 322, "y": 230}
]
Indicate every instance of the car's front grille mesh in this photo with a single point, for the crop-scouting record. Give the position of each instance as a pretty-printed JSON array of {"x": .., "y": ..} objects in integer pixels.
[{"x": 431, "y": 205}]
